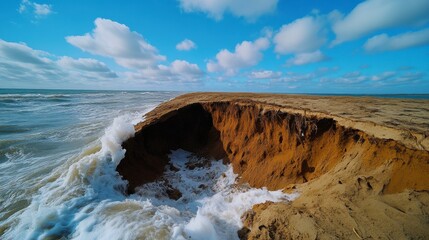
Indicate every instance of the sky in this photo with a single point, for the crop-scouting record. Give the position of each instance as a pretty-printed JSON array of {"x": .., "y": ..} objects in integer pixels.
[{"x": 284, "y": 46}]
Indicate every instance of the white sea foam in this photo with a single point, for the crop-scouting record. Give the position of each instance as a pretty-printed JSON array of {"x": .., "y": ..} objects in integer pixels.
[
  {"x": 87, "y": 181},
  {"x": 85, "y": 199},
  {"x": 212, "y": 203}
]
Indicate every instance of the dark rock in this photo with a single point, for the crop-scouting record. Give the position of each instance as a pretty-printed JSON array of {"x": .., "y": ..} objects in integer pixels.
[
  {"x": 243, "y": 233},
  {"x": 174, "y": 194}
]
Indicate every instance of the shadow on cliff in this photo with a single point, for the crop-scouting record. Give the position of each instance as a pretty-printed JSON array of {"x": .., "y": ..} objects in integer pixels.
[{"x": 189, "y": 128}]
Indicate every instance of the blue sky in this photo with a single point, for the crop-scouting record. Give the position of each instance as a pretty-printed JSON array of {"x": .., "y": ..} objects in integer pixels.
[{"x": 307, "y": 46}]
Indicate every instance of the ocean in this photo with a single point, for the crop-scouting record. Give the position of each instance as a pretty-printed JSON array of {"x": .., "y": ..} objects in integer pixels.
[{"x": 58, "y": 153}]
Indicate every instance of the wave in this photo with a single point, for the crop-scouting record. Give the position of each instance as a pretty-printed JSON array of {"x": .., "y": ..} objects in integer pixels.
[
  {"x": 19, "y": 98},
  {"x": 13, "y": 129},
  {"x": 33, "y": 95},
  {"x": 11, "y": 154},
  {"x": 86, "y": 181}
]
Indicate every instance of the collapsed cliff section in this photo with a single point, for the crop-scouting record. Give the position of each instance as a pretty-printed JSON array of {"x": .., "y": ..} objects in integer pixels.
[{"x": 346, "y": 176}]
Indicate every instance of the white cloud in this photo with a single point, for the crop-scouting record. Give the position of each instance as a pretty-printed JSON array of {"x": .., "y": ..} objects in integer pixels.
[
  {"x": 129, "y": 49},
  {"x": 387, "y": 78},
  {"x": 383, "y": 76},
  {"x": 246, "y": 54},
  {"x": 185, "y": 68},
  {"x": 39, "y": 10},
  {"x": 374, "y": 15},
  {"x": 347, "y": 78},
  {"x": 302, "y": 35},
  {"x": 383, "y": 42},
  {"x": 20, "y": 63},
  {"x": 300, "y": 77},
  {"x": 177, "y": 71},
  {"x": 249, "y": 9},
  {"x": 115, "y": 40},
  {"x": 265, "y": 75},
  {"x": 307, "y": 58},
  {"x": 23, "y": 6},
  {"x": 86, "y": 65},
  {"x": 21, "y": 53},
  {"x": 410, "y": 77},
  {"x": 186, "y": 45},
  {"x": 296, "y": 78},
  {"x": 42, "y": 9}
]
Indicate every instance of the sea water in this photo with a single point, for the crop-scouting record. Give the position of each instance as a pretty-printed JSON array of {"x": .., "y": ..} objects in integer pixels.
[{"x": 58, "y": 154}]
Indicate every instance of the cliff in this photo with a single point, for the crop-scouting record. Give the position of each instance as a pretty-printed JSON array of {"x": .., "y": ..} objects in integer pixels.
[{"x": 361, "y": 165}]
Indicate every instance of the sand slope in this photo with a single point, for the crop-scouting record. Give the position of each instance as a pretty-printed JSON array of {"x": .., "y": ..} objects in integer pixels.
[{"x": 360, "y": 164}]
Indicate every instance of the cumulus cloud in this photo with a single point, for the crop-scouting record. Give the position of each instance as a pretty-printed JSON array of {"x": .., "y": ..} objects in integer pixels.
[
  {"x": 302, "y": 37},
  {"x": 129, "y": 49},
  {"x": 375, "y": 15},
  {"x": 186, "y": 45},
  {"x": 18, "y": 62},
  {"x": 306, "y": 58},
  {"x": 39, "y": 10},
  {"x": 249, "y": 9},
  {"x": 111, "y": 39},
  {"x": 185, "y": 68},
  {"x": 177, "y": 71},
  {"x": 246, "y": 54},
  {"x": 306, "y": 34},
  {"x": 383, "y": 42}
]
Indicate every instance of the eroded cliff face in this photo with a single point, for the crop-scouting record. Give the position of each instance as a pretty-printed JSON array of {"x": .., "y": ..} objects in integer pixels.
[
  {"x": 267, "y": 147},
  {"x": 351, "y": 184}
]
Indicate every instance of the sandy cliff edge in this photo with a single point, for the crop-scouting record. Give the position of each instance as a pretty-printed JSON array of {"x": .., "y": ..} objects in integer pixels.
[
  {"x": 360, "y": 164},
  {"x": 403, "y": 120}
]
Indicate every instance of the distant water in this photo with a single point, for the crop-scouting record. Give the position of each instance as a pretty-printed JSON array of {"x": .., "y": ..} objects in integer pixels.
[{"x": 58, "y": 154}]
